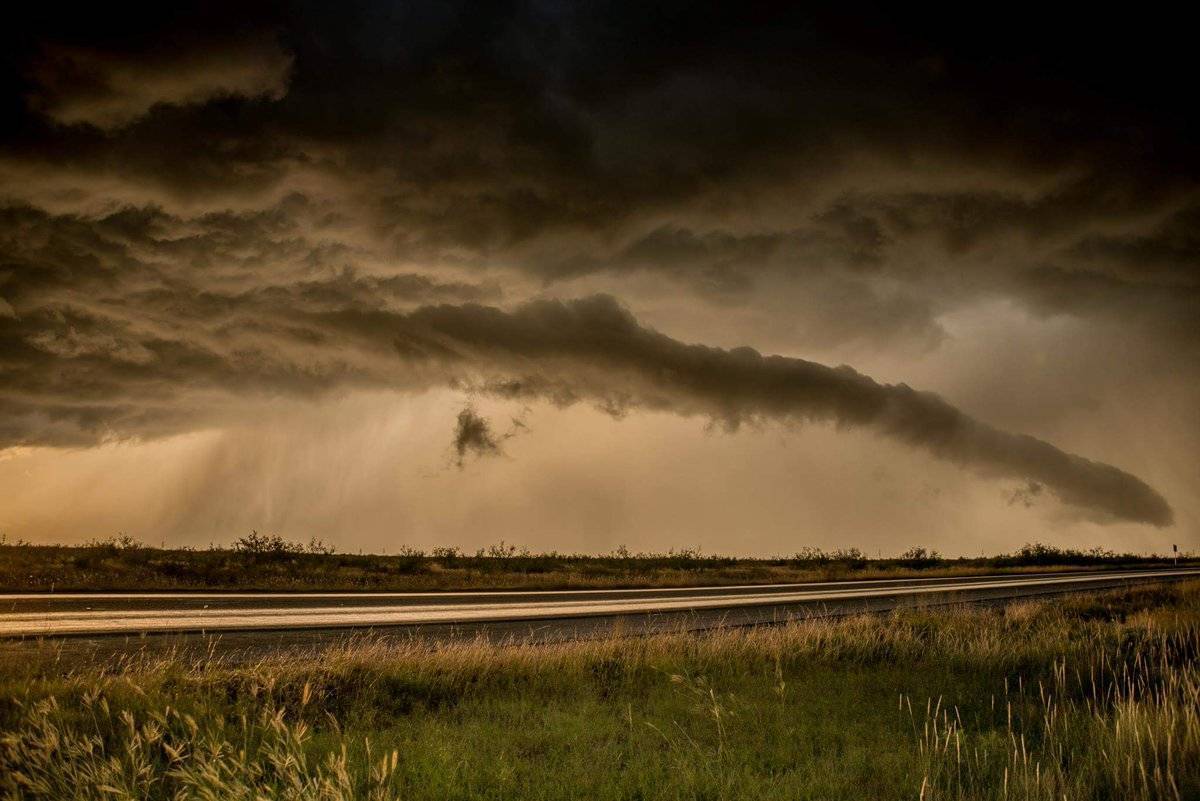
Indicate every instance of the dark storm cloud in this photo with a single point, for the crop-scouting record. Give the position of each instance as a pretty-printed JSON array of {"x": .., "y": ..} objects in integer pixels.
[
  {"x": 473, "y": 435},
  {"x": 594, "y": 349},
  {"x": 479, "y": 131},
  {"x": 208, "y": 204},
  {"x": 110, "y": 90},
  {"x": 146, "y": 256},
  {"x": 141, "y": 323},
  {"x": 99, "y": 379}
]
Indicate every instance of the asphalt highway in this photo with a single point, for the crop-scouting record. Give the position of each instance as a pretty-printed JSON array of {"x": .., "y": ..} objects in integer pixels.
[{"x": 556, "y": 614}]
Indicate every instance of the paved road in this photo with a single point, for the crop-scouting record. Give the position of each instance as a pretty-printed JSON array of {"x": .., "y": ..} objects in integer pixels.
[{"x": 555, "y": 614}]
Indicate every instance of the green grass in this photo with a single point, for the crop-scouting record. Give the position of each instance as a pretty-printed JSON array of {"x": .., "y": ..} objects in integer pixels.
[
  {"x": 271, "y": 563},
  {"x": 1089, "y": 697}
]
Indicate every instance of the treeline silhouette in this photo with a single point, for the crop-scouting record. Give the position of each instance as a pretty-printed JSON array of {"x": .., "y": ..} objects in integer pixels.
[{"x": 273, "y": 562}]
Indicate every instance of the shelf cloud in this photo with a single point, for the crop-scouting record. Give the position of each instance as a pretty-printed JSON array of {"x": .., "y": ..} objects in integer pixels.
[{"x": 593, "y": 349}]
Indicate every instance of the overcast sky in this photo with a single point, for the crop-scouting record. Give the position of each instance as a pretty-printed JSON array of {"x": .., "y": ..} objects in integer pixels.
[{"x": 576, "y": 276}]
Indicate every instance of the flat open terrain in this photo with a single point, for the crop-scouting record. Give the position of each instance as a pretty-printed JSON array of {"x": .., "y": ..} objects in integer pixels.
[
  {"x": 259, "y": 563},
  {"x": 1077, "y": 697}
]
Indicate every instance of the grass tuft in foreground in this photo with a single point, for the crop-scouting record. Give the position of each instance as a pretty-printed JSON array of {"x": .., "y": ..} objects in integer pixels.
[{"x": 1083, "y": 698}]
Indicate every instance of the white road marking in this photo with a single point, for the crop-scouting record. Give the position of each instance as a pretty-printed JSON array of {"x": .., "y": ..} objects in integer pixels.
[{"x": 319, "y": 616}]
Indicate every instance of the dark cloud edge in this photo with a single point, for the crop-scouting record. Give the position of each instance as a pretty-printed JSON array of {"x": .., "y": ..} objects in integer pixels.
[
  {"x": 590, "y": 349},
  {"x": 594, "y": 349}
]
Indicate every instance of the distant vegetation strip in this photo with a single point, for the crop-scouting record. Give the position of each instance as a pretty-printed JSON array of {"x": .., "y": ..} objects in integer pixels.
[
  {"x": 1089, "y": 697},
  {"x": 273, "y": 563}
]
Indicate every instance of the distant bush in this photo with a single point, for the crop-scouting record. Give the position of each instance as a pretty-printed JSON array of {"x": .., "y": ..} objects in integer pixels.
[
  {"x": 843, "y": 557},
  {"x": 447, "y": 554},
  {"x": 501, "y": 550},
  {"x": 264, "y": 544},
  {"x": 919, "y": 557},
  {"x": 119, "y": 542},
  {"x": 317, "y": 546},
  {"x": 1039, "y": 554}
]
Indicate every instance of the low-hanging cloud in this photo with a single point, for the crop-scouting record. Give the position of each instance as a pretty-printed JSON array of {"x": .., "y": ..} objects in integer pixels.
[
  {"x": 79, "y": 378},
  {"x": 594, "y": 349},
  {"x": 473, "y": 435}
]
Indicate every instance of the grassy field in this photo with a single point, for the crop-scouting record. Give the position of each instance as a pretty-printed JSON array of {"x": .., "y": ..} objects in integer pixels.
[
  {"x": 258, "y": 562},
  {"x": 1092, "y": 697}
]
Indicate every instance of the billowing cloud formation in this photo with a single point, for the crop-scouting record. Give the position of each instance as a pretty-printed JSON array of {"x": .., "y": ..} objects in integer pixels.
[
  {"x": 594, "y": 349},
  {"x": 110, "y": 90},
  {"x": 197, "y": 217},
  {"x": 589, "y": 349},
  {"x": 752, "y": 157}
]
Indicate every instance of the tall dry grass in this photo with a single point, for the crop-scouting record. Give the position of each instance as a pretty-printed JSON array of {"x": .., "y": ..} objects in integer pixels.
[{"x": 1116, "y": 720}]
